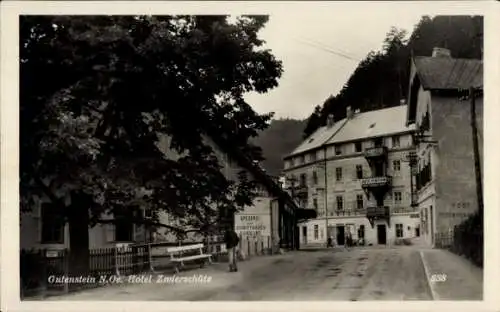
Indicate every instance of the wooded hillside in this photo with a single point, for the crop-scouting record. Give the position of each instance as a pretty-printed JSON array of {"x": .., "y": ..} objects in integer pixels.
[
  {"x": 381, "y": 79},
  {"x": 279, "y": 139}
]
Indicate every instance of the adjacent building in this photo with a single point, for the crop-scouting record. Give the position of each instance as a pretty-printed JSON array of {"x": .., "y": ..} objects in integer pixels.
[
  {"x": 43, "y": 229},
  {"x": 446, "y": 183},
  {"x": 355, "y": 173}
]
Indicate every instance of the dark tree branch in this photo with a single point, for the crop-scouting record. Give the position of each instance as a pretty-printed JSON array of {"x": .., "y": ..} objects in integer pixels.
[{"x": 47, "y": 191}]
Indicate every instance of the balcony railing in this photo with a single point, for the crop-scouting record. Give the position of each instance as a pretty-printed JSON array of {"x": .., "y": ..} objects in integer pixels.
[
  {"x": 403, "y": 210},
  {"x": 377, "y": 212},
  {"x": 301, "y": 190},
  {"x": 373, "y": 152},
  {"x": 376, "y": 182},
  {"x": 347, "y": 213}
]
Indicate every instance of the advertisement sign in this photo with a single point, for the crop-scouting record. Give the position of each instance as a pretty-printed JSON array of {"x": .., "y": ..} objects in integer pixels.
[{"x": 253, "y": 225}]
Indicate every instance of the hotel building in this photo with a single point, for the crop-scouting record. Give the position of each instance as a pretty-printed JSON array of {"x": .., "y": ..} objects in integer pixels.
[{"x": 356, "y": 174}]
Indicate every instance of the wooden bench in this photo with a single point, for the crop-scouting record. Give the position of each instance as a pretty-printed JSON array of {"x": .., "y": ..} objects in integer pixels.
[{"x": 178, "y": 255}]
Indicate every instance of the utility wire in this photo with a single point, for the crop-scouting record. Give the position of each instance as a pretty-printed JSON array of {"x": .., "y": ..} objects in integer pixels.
[
  {"x": 329, "y": 50},
  {"x": 326, "y": 46}
]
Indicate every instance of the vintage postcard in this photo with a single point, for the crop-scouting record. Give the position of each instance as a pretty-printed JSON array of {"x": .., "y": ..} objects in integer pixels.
[{"x": 249, "y": 155}]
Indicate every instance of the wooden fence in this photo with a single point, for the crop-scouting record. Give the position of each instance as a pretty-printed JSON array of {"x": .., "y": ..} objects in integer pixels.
[
  {"x": 42, "y": 271},
  {"x": 37, "y": 268}
]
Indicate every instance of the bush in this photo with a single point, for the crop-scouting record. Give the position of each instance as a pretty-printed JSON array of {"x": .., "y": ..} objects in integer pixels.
[
  {"x": 468, "y": 239},
  {"x": 407, "y": 242}
]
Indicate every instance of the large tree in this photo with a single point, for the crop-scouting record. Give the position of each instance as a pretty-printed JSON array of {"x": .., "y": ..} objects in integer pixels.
[{"x": 97, "y": 91}]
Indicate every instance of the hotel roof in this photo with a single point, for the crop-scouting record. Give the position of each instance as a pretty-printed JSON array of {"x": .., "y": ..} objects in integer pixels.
[
  {"x": 365, "y": 125},
  {"x": 318, "y": 138}
]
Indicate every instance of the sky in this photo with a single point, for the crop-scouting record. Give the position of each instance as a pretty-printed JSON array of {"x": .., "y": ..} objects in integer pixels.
[{"x": 309, "y": 44}]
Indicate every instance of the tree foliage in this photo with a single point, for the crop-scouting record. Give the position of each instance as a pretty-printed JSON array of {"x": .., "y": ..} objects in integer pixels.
[
  {"x": 381, "y": 79},
  {"x": 97, "y": 91}
]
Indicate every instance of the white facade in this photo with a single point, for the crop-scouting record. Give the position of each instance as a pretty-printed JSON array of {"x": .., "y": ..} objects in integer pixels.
[
  {"x": 345, "y": 204},
  {"x": 315, "y": 233}
]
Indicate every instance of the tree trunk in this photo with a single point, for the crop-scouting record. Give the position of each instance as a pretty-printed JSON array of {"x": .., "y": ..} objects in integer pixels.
[{"x": 78, "y": 220}]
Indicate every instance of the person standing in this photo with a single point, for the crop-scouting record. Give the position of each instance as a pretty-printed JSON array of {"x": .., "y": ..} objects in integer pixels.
[
  {"x": 348, "y": 241},
  {"x": 232, "y": 241}
]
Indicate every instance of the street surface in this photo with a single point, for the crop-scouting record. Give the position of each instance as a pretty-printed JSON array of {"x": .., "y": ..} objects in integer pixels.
[{"x": 368, "y": 273}]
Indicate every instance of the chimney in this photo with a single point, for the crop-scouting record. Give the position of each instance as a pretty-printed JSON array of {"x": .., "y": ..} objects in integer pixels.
[
  {"x": 441, "y": 52},
  {"x": 349, "y": 113},
  {"x": 330, "y": 121}
]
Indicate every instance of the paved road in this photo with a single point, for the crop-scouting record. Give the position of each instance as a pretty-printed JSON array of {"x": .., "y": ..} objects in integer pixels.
[
  {"x": 370, "y": 274},
  {"x": 356, "y": 275}
]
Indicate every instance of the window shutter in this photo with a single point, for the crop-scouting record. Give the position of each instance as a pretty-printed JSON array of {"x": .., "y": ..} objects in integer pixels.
[
  {"x": 139, "y": 233},
  {"x": 109, "y": 232}
]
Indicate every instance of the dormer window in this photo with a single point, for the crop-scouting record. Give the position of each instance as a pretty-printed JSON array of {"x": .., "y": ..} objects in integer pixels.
[
  {"x": 395, "y": 141},
  {"x": 312, "y": 157},
  {"x": 300, "y": 160},
  {"x": 338, "y": 150},
  {"x": 357, "y": 147}
]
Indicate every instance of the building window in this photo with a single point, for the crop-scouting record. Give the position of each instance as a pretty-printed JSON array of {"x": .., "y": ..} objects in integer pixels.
[
  {"x": 430, "y": 166},
  {"x": 301, "y": 160},
  {"x": 315, "y": 178},
  {"x": 359, "y": 201},
  {"x": 424, "y": 174},
  {"x": 312, "y": 157},
  {"x": 315, "y": 204},
  {"x": 397, "y": 196},
  {"x": 52, "y": 224},
  {"x": 338, "y": 150},
  {"x": 340, "y": 203},
  {"x": 303, "y": 181},
  {"x": 395, "y": 141},
  {"x": 290, "y": 181},
  {"x": 359, "y": 172},
  {"x": 316, "y": 230},
  {"x": 378, "y": 142},
  {"x": 338, "y": 174},
  {"x": 399, "y": 230},
  {"x": 396, "y": 165},
  {"x": 124, "y": 227},
  {"x": 357, "y": 147}
]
